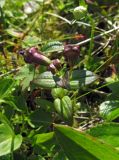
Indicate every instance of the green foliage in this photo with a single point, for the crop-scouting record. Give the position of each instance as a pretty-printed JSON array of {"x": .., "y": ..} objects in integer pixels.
[
  {"x": 110, "y": 110},
  {"x": 78, "y": 145},
  {"x": 52, "y": 47},
  {"x": 6, "y": 138},
  {"x": 108, "y": 133},
  {"x": 79, "y": 86}
]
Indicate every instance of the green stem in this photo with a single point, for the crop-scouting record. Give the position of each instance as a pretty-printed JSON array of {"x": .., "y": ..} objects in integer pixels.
[
  {"x": 92, "y": 35},
  {"x": 95, "y": 89}
]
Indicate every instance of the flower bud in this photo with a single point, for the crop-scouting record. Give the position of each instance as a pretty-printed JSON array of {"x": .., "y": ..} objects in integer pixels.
[
  {"x": 52, "y": 68},
  {"x": 80, "y": 12},
  {"x": 57, "y": 63},
  {"x": 32, "y": 55},
  {"x": 71, "y": 53}
]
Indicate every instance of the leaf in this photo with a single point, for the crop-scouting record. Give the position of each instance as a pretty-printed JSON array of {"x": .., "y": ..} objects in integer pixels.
[
  {"x": 45, "y": 104},
  {"x": 6, "y": 136},
  {"x": 109, "y": 109},
  {"x": 26, "y": 74},
  {"x": 81, "y": 78},
  {"x": 10, "y": 102},
  {"x": 14, "y": 33},
  {"x": 42, "y": 138},
  {"x": 46, "y": 80},
  {"x": 39, "y": 117},
  {"x": 20, "y": 103},
  {"x": 30, "y": 41},
  {"x": 52, "y": 47},
  {"x": 45, "y": 142},
  {"x": 6, "y": 86},
  {"x": 38, "y": 157},
  {"x": 108, "y": 132},
  {"x": 25, "y": 71},
  {"x": 60, "y": 156},
  {"x": 114, "y": 86},
  {"x": 80, "y": 146}
]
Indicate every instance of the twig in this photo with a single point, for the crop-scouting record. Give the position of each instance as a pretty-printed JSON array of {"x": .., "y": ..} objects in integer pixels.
[
  {"x": 12, "y": 71},
  {"x": 96, "y": 37},
  {"x": 55, "y": 15},
  {"x": 100, "y": 49}
]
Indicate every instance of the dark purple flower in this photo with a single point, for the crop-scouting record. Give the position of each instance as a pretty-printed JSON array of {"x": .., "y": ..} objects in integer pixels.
[
  {"x": 57, "y": 63},
  {"x": 52, "y": 68},
  {"x": 32, "y": 55},
  {"x": 71, "y": 53}
]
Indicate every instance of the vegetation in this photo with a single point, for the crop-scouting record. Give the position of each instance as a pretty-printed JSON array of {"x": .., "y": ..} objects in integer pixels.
[{"x": 59, "y": 80}]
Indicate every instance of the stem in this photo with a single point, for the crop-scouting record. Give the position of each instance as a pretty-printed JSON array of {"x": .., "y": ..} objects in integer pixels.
[
  {"x": 10, "y": 72},
  {"x": 96, "y": 37},
  {"x": 91, "y": 46},
  {"x": 95, "y": 89}
]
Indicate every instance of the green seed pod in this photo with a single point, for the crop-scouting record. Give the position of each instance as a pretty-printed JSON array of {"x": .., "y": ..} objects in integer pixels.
[
  {"x": 57, "y": 105},
  {"x": 59, "y": 92},
  {"x": 67, "y": 107},
  {"x": 80, "y": 12},
  {"x": 64, "y": 107}
]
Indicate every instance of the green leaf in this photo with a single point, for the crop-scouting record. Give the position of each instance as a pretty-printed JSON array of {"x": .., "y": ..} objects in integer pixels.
[
  {"x": 81, "y": 78},
  {"x": 109, "y": 109},
  {"x": 52, "y": 47},
  {"x": 14, "y": 33},
  {"x": 6, "y": 86},
  {"x": 45, "y": 142},
  {"x": 39, "y": 117},
  {"x": 10, "y": 102},
  {"x": 26, "y": 74},
  {"x": 80, "y": 146},
  {"x": 114, "y": 87},
  {"x": 60, "y": 156},
  {"x": 46, "y": 80},
  {"x": 109, "y": 133},
  {"x": 42, "y": 138},
  {"x": 30, "y": 41},
  {"x": 20, "y": 103},
  {"x": 45, "y": 104},
  {"x": 36, "y": 157},
  {"x": 6, "y": 137}
]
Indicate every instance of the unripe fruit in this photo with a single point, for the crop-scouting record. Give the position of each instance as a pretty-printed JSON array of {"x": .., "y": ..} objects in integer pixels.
[
  {"x": 59, "y": 92},
  {"x": 63, "y": 107}
]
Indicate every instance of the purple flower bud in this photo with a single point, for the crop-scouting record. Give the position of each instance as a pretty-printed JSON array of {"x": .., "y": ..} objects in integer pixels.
[
  {"x": 34, "y": 56},
  {"x": 71, "y": 53},
  {"x": 57, "y": 63},
  {"x": 52, "y": 68}
]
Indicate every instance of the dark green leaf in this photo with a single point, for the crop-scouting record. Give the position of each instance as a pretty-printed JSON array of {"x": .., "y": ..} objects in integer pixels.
[
  {"x": 39, "y": 117},
  {"x": 6, "y": 86}
]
